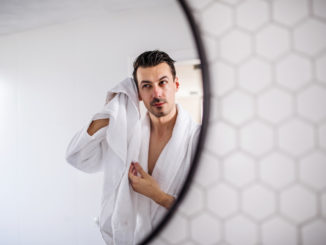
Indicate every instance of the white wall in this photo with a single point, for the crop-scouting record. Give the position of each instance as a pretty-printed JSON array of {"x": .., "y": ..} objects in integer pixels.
[
  {"x": 52, "y": 80},
  {"x": 262, "y": 177}
]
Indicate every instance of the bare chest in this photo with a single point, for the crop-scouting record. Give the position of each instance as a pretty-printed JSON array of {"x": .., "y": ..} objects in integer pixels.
[{"x": 156, "y": 146}]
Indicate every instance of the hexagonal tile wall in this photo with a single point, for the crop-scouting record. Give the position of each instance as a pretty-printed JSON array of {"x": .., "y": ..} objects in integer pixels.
[
  {"x": 224, "y": 144},
  {"x": 203, "y": 176},
  {"x": 298, "y": 204},
  {"x": 315, "y": 233},
  {"x": 275, "y": 111},
  {"x": 309, "y": 37},
  {"x": 177, "y": 231},
  {"x": 224, "y": 75},
  {"x": 235, "y": 46},
  {"x": 322, "y": 136},
  {"x": 237, "y": 107},
  {"x": 311, "y": 103},
  {"x": 257, "y": 138},
  {"x": 323, "y": 205},
  {"x": 277, "y": 170},
  {"x": 212, "y": 228},
  {"x": 217, "y": 18},
  {"x": 313, "y": 169},
  {"x": 296, "y": 137},
  {"x": 278, "y": 231},
  {"x": 239, "y": 169},
  {"x": 272, "y": 41},
  {"x": 240, "y": 230},
  {"x": 254, "y": 75},
  {"x": 222, "y": 200},
  {"x": 293, "y": 72},
  {"x": 261, "y": 178},
  {"x": 252, "y": 14},
  {"x": 320, "y": 67},
  {"x": 258, "y": 202},
  {"x": 318, "y": 7},
  {"x": 194, "y": 202},
  {"x": 290, "y": 12}
]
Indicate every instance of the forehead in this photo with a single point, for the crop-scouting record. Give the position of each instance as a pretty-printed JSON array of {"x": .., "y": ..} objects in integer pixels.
[{"x": 154, "y": 72}]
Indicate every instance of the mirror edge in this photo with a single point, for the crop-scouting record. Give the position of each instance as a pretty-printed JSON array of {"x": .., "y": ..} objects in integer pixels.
[{"x": 196, "y": 33}]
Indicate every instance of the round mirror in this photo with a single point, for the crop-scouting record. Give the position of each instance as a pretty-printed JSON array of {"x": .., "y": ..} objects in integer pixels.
[{"x": 59, "y": 62}]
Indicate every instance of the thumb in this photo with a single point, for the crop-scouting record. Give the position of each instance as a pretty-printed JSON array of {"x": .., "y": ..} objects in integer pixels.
[{"x": 140, "y": 169}]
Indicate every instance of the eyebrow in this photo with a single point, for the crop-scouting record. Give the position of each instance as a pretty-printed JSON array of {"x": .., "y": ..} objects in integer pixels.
[
  {"x": 146, "y": 81},
  {"x": 163, "y": 77}
]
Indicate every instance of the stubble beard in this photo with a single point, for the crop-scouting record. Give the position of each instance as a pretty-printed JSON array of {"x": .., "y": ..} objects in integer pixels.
[{"x": 157, "y": 111}]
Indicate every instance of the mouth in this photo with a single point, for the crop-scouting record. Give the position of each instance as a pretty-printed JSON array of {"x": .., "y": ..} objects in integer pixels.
[{"x": 158, "y": 104}]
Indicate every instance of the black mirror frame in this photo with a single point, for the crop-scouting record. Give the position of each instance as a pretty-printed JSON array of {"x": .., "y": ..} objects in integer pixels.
[{"x": 206, "y": 109}]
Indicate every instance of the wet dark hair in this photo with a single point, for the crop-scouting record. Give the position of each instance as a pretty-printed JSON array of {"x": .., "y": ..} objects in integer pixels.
[{"x": 152, "y": 58}]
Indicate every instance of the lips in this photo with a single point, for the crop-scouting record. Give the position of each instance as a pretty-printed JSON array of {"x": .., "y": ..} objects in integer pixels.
[{"x": 158, "y": 104}]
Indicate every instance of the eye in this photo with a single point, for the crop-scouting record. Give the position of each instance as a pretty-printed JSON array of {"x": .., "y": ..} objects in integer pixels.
[
  {"x": 146, "y": 86},
  {"x": 163, "y": 82}
]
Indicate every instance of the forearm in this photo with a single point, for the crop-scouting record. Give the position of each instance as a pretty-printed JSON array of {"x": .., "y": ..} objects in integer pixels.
[
  {"x": 164, "y": 199},
  {"x": 97, "y": 125},
  {"x": 146, "y": 185}
]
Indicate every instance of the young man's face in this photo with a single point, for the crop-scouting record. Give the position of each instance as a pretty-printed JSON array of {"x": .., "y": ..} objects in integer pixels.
[{"x": 157, "y": 88}]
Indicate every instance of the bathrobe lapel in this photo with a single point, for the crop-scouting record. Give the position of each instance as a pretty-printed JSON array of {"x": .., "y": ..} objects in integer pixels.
[{"x": 171, "y": 159}]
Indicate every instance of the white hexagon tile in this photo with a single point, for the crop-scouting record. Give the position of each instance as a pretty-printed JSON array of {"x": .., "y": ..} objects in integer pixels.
[
  {"x": 249, "y": 21},
  {"x": 235, "y": 46},
  {"x": 262, "y": 176},
  {"x": 222, "y": 200},
  {"x": 293, "y": 72},
  {"x": 255, "y": 75}
]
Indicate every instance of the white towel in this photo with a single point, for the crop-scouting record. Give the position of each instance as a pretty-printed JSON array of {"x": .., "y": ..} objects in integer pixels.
[
  {"x": 111, "y": 149},
  {"x": 117, "y": 221},
  {"x": 127, "y": 216}
]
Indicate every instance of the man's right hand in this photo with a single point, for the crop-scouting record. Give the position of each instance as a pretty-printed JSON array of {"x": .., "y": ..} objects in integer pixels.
[{"x": 96, "y": 125}]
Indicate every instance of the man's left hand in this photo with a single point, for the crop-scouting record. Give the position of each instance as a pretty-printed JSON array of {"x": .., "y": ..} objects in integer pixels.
[{"x": 147, "y": 186}]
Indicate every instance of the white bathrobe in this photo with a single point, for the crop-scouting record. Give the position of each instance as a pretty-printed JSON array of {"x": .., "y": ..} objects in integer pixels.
[{"x": 126, "y": 216}]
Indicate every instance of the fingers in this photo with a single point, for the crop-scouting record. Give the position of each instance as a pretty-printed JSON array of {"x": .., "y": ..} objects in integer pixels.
[
  {"x": 133, "y": 169},
  {"x": 139, "y": 169},
  {"x": 132, "y": 174}
]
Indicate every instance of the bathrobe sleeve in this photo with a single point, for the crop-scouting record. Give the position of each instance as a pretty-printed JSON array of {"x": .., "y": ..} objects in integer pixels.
[{"x": 85, "y": 152}]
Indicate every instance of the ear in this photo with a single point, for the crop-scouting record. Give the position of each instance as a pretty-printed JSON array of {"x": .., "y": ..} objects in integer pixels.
[
  {"x": 177, "y": 84},
  {"x": 139, "y": 97}
]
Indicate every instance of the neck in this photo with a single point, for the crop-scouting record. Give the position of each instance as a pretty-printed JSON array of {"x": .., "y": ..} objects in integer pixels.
[{"x": 164, "y": 124}]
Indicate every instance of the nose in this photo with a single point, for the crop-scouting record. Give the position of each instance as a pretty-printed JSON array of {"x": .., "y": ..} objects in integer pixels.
[{"x": 157, "y": 92}]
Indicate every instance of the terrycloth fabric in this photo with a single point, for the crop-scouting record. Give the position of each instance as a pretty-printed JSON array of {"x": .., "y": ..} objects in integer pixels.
[
  {"x": 170, "y": 170},
  {"x": 127, "y": 216},
  {"x": 112, "y": 153}
]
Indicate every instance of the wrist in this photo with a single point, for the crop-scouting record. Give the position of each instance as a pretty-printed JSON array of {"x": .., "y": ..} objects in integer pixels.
[
  {"x": 159, "y": 197},
  {"x": 164, "y": 199}
]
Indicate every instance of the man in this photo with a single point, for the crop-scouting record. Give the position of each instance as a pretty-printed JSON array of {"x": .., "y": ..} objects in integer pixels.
[{"x": 171, "y": 133}]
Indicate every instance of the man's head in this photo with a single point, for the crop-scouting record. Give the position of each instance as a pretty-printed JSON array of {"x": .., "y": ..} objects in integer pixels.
[{"x": 155, "y": 77}]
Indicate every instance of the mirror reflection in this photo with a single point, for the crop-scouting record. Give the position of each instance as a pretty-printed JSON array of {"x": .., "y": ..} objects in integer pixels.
[{"x": 114, "y": 92}]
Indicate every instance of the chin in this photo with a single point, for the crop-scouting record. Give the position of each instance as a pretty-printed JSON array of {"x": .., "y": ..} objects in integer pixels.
[{"x": 159, "y": 114}]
